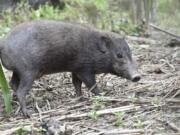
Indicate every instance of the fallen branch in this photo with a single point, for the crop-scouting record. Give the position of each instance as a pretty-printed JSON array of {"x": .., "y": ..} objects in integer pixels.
[
  {"x": 9, "y": 131},
  {"x": 59, "y": 111},
  {"x": 173, "y": 126},
  {"x": 173, "y": 100},
  {"x": 135, "y": 100},
  {"x": 100, "y": 112},
  {"x": 122, "y": 131},
  {"x": 168, "y": 134},
  {"x": 167, "y": 32},
  {"x": 141, "y": 39},
  {"x": 39, "y": 111},
  {"x": 170, "y": 124},
  {"x": 177, "y": 93},
  {"x": 139, "y": 101},
  {"x": 13, "y": 130}
]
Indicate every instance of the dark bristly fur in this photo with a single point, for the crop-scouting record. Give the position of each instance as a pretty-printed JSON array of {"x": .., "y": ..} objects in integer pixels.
[{"x": 35, "y": 48}]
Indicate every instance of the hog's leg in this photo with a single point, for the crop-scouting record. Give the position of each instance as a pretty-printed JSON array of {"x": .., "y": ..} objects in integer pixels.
[
  {"x": 25, "y": 84},
  {"x": 14, "y": 81},
  {"x": 77, "y": 84},
  {"x": 89, "y": 80}
]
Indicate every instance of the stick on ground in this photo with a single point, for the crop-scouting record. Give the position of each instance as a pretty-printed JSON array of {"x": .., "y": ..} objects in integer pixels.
[{"x": 100, "y": 112}]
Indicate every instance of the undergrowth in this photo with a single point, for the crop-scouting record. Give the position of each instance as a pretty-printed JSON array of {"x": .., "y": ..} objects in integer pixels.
[{"x": 93, "y": 12}]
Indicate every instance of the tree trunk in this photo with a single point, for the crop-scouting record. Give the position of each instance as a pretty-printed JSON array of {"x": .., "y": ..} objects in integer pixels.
[
  {"x": 134, "y": 11},
  {"x": 137, "y": 11},
  {"x": 153, "y": 11},
  {"x": 147, "y": 4}
]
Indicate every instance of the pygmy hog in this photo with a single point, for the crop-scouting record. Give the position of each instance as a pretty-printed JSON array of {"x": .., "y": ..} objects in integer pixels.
[{"x": 42, "y": 47}]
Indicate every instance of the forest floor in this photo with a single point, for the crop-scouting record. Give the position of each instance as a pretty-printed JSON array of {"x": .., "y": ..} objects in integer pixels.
[{"x": 150, "y": 106}]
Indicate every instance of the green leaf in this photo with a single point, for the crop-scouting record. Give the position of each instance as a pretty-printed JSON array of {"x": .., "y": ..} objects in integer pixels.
[
  {"x": 101, "y": 4},
  {"x": 5, "y": 91}
]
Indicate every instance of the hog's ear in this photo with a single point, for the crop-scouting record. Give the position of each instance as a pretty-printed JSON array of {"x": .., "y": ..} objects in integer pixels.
[{"x": 104, "y": 44}]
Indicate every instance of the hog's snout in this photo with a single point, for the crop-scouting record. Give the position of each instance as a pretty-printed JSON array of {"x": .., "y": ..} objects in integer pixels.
[{"x": 136, "y": 78}]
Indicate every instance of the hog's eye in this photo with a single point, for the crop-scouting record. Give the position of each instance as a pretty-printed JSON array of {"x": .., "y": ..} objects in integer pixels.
[{"x": 119, "y": 55}]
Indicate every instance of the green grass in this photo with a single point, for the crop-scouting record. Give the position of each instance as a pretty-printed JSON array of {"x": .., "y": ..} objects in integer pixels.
[{"x": 5, "y": 91}]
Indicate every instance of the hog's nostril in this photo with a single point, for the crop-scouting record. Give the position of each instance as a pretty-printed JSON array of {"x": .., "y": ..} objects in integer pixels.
[{"x": 136, "y": 78}]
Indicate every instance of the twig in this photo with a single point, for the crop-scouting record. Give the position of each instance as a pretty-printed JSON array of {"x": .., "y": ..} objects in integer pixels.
[
  {"x": 177, "y": 93},
  {"x": 81, "y": 131},
  {"x": 18, "y": 109},
  {"x": 169, "y": 53},
  {"x": 9, "y": 131},
  {"x": 48, "y": 104},
  {"x": 39, "y": 111},
  {"x": 173, "y": 126},
  {"x": 122, "y": 131},
  {"x": 101, "y": 112},
  {"x": 141, "y": 39},
  {"x": 139, "y": 88},
  {"x": 94, "y": 86},
  {"x": 170, "y": 124},
  {"x": 12, "y": 130},
  {"x": 168, "y": 63},
  {"x": 136, "y": 100},
  {"x": 167, "y": 32},
  {"x": 173, "y": 100},
  {"x": 174, "y": 107},
  {"x": 45, "y": 112},
  {"x": 168, "y": 134},
  {"x": 59, "y": 111},
  {"x": 168, "y": 93}
]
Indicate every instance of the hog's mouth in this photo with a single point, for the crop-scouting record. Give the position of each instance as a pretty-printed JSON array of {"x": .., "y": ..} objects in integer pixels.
[
  {"x": 129, "y": 73},
  {"x": 132, "y": 77}
]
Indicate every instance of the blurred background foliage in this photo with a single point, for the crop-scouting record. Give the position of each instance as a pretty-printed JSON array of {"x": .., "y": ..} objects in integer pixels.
[{"x": 115, "y": 15}]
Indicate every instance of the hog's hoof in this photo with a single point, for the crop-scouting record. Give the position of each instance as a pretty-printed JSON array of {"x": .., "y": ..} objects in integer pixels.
[
  {"x": 13, "y": 86},
  {"x": 26, "y": 114},
  {"x": 96, "y": 93},
  {"x": 78, "y": 95},
  {"x": 81, "y": 98},
  {"x": 23, "y": 114}
]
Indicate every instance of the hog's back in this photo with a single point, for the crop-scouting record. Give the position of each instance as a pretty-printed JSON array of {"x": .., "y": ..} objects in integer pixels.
[{"x": 47, "y": 46}]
